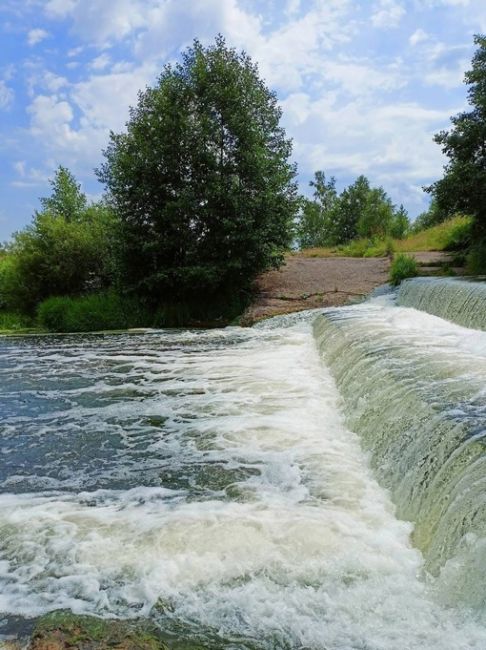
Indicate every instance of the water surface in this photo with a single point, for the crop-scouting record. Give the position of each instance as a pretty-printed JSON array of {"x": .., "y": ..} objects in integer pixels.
[{"x": 207, "y": 480}]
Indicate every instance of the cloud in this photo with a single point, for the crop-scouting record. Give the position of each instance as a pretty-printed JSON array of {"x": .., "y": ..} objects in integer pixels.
[
  {"x": 6, "y": 96},
  {"x": 36, "y": 36},
  {"x": 101, "y": 22},
  {"x": 19, "y": 167},
  {"x": 100, "y": 62},
  {"x": 387, "y": 14},
  {"x": 419, "y": 36}
]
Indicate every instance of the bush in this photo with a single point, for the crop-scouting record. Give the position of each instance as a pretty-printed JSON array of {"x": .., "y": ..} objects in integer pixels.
[
  {"x": 11, "y": 321},
  {"x": 403, "y": 266},
  {"x": 90, "y": 313},
  {"x": 375, "y": 247},
  {"x": 62, "y": 252},
  {"x": 459, "y": 235},
  {"x": 476, "y": 259}
]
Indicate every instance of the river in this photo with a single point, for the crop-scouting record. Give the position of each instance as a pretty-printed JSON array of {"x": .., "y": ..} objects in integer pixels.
[{"x": 264, "y": 488}]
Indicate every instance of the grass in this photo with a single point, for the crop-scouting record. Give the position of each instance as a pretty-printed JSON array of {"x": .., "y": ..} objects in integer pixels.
[
  {"x": 449, "y": 235},
  {"x": 452, "y": 234},
  {"x": 11, "y": 322},
  {"x": 94, "y": 312},
  {"x": 403, "y": 266}
]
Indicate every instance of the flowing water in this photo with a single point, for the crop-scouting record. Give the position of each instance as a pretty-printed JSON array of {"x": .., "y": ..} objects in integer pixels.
[
  {"x": 237, "y": 486},
  {"x": 462, "y": 301}
]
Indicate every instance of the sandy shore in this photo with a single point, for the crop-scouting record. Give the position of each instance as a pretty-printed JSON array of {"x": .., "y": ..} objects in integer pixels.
[{"x": 312, "y": 282}]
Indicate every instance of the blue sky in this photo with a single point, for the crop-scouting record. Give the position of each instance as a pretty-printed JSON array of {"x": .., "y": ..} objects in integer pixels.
[{"x": 364, "y": 84}]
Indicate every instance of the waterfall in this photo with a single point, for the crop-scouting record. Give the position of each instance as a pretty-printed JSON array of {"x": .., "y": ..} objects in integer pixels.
[
  {"x": 414, "y": 389},
  {"x": 460, "y": 301}
]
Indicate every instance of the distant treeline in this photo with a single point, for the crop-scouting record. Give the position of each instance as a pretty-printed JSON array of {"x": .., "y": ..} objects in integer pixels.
[{"x": 360, "y": 211}]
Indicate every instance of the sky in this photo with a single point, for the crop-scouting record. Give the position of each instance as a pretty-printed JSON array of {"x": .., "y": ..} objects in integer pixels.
[{"x": 363, "y": 84}]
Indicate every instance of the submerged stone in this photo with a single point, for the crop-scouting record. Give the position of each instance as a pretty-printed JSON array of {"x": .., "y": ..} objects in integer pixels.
[{"x": 62, "y": 629}]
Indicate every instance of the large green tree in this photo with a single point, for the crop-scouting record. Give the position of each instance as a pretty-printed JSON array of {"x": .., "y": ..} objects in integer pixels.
[
  {"x": 201, "y": 178},
  {"x": 463, "y": 187}
]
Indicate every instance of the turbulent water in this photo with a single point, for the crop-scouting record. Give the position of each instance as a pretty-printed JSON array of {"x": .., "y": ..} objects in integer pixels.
[
  {"x": 457, "y": 300},
  {"x": 224, "y": 483}
]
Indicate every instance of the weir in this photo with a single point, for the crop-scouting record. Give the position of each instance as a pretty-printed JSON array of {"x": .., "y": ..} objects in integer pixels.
[
  {"x": 219, "y": 484},
  {"x": 414, "y": 389},
  {"x": 460, "y": 301}
]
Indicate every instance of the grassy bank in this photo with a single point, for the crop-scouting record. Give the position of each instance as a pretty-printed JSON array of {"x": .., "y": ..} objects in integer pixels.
[
  {"x": 109, "y": 311},
  {"x": 450, "y": 235}
]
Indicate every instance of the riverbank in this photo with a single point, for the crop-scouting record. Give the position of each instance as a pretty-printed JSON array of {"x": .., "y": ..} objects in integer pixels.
[{"x": 305, "y": 282}]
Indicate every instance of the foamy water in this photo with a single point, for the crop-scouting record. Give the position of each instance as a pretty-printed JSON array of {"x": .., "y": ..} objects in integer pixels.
[{"x": 206, "y": 480}]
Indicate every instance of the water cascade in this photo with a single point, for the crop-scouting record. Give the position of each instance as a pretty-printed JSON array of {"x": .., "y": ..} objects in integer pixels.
[
  {"x": 219, "y": 483},
  {"x": 415, "y": 390},
  {"x": 458, "y": 300}
]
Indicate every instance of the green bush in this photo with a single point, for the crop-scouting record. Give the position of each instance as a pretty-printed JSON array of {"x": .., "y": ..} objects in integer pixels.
[
  {"x": 70, "y": 248},
  {"x": 458, "y": 235},
  {"x": 403, "y": 266},
  {"x": 90, "y": 313},
  {"x": 376, "y": 247},
  {"x": 476, "y": 259},
  {"x": 12, "y": 321}
]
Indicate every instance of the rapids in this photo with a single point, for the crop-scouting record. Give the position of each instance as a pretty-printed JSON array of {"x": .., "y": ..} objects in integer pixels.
[
  {"x": 462, "y": 301},
  {"x": 251, "y": 488}
]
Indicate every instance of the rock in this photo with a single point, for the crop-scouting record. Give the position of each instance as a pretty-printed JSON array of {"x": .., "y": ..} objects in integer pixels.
[{"x": 62, "y": 629}]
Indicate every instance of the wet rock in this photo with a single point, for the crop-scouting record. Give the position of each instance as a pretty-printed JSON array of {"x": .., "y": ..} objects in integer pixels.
[{"x": 60, "y": 630}]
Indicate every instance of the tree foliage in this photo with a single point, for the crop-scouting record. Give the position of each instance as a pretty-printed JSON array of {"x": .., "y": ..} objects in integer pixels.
[
  {"x": 360, "y": 210},
  {"x": 317, "y": 215},
  {"x": 68, "y": 249},
  {"x": 67, "y": 200},
  {"x": 201, "y": 178},
  {"x": 463, "y": 186}
]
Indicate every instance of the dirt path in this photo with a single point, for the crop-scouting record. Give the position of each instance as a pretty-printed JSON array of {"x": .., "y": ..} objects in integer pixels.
[{"x": 311, "y": 282}]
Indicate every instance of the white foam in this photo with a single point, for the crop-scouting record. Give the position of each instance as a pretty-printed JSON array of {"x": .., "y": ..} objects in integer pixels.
[{"x": 305, "y": 553}]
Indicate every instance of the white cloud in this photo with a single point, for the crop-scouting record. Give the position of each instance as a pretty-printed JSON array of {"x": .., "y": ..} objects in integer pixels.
[
  {"x": 100, "y": 62},
  {"x": 6, "y": 95},
  {"x": 36, "y": 36},
  {"x": 292, "y": 8},
  {"x": 99, "y": 21},
  {"x": 360, "y": 78},
  {"x": 387, "y": 14},
  {"x": 419, "y": 36},
  {"x": 60, "y": 8},
  {"x": 19, "y": 167},
  {"x": 53, "y": 82}
]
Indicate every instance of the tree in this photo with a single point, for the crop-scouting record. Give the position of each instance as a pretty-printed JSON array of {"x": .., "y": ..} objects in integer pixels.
[
  {"x": 68, "y": 249},
  {"x": 431, "y": 217},
  {"x": 315, "y": 223},
  {"x": 376, "y": 214},
  {"x": 201, "y": 179},
  {"x": 67, "y": 200},
  {"x": 463, "y": 187},
  {"x": 352, "y": 203},
  {"x": 400, "y": 223}
]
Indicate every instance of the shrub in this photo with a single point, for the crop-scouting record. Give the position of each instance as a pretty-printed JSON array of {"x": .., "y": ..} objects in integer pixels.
[
  {"x": 68, "y": 249},
  {"x": 94, "y": 312},
  {"x": 458, "y": 235},
  {"x": 476, "y": 259},
  {"x": 12, "y": 321},
  {"x": 403, "y": 266}
]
